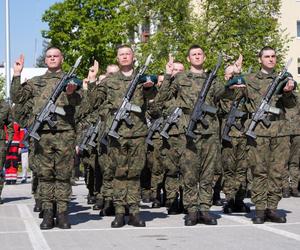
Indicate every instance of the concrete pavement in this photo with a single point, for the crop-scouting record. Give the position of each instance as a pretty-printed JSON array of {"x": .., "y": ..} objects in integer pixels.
[{"x": 19, "y": 228}]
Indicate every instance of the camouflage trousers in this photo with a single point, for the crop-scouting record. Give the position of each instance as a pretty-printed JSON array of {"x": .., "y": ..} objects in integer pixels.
[
  {"x": 2, "y": 160},
  {"x": 156, "y": 168},
  {"x": 291, "y": 176},
  {"x": 170, "y": 154},
  {"x": 55, "y": 153},
  {"x": 267, "y": 157},
  {"x": 198, "y": 164},
  {"x": 33, "y": 163},
  {"x": 107, "y": 175},
  {"x": 127, "y": 158},
  {"x": 235, "y": 166}
]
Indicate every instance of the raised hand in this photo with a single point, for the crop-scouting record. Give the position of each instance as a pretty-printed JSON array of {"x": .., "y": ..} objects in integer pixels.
[
  {"x": 19, "y": 65},
  {"x": 170, "y": 65},
  {"x": 93, "y": 71}
]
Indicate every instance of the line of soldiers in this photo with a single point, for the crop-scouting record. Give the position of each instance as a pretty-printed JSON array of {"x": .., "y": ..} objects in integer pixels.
[{"x": 184, "y": 163}]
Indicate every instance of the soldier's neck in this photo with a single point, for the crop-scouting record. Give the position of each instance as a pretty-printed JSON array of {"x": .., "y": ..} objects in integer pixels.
[
  {"x": 127, "y": 71},
  {"x": 266, "y": 71},
  {"x": 54, "y": 70},
  {"x": 196, "y": 70}
]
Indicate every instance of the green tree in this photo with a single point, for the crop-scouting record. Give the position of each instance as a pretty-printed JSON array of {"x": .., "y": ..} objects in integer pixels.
[
  {"x": 2, "y": 87},
  {"x": 93, "y": 28}
]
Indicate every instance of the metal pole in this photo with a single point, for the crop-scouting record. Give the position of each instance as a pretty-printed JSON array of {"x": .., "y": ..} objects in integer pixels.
[{"x": 7, "y": 62}]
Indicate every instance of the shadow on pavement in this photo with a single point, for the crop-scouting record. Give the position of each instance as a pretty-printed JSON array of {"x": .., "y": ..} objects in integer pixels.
[{"x": 149, "y": 216}]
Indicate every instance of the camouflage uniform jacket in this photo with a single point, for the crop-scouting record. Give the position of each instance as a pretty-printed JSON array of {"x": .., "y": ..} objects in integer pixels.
[
  {"x": 38, "y": 89},
  {"x": 257, "y": 85},
  {"x": 182, "y": 92},
  {"x": 107, "y": 98},
  {"x": 5, "y": 119}
]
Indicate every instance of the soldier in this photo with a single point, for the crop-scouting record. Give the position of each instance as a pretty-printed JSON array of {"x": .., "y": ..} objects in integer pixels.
[
  {"x": 197, "y": 159},
  {"x": 234, "y": 157},
  {"x": 267, "y": 153},
  {"x": 55, "y": 147},
  {"x": 126, "y": 155},
  {"x": 292, "y": 174},
  {"x": 5, "y": 119}
]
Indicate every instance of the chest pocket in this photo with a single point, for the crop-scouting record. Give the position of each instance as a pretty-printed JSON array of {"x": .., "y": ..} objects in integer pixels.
[
  {"x": 188, "y": 94},
  {"x": 114, "y": 95}
]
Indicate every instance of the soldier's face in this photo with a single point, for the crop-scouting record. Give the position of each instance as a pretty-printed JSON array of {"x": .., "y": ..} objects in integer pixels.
[
  {"x": 177, "y": 67},
  {"x": 268, "y": 59},
  {"x": 196, "y": 57},
  {"x": 54, "y": 59},
  {"x": 125, "y": 57}
]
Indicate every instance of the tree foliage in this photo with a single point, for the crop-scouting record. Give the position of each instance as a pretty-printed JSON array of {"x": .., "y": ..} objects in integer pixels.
[
  {"x": 2, "y": 87},
  {"x": 93, "y": 28}
]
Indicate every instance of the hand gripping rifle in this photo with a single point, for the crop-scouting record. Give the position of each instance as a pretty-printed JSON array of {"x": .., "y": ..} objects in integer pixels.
[
  {"x": 154, "y": 127},
  {"x": 264, "y": 108},
  {"x": 49, "y": 109},
  {"x": 231, "y": 120},
  {"x": 123, "y": 112},
  {"x": 89, "y": 136},
  {"x": 201, "y": 108},
  {"x": 171, "y": 119}
]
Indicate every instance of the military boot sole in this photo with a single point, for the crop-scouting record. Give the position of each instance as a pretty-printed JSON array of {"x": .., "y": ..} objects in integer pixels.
[
  {"x": 211, "y": 222},
  {"x": 47, "y": 226},
  {"x": 276, "y": 220},
  {"x": 117, "y": 224}
]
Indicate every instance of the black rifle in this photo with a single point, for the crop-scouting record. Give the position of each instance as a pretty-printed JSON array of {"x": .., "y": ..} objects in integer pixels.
[
  {"x": 171, "y": 119},
  {"x": 264, "y": 108},
  {"x": 49, "y": 109},
  {"x": 154, "y": 126},
  {"x": 201, "y": 108},
  {"x": 89, "y": 136},
  {"x": 231, "y": 120},
  {"x": 123, "y": 112}
]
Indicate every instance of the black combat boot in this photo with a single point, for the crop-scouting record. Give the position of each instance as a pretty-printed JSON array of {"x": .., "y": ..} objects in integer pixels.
[
  {"x": 119, "y": 221},
  {"x": 136, "y": 221},
  {"x": 272, "y": 216},
  {"x": 173, "y": 207},
  {"x": 62, "y": 220},
  {"x": 259, "y": 217},
  {"x": 1, "y": 201},
  {"x": 286, "y": 193},
  {"x": 48, "y": 221},
  {"x": 155, "y": 203},
  {"x": 191, "y": 219},
  {"x": 108, "y": 209},
  {"x": 37, "y": 206},
  {"x": 228, "y": 206},
  {"x": 241, "y": 207},
  {"x": 205, "y": 218},
  {"x": 91, "y": 200},
  {"x": 295, "y": 192},
  {"x": 217, "y": 201},
  {"x": 98, "y": 205}
]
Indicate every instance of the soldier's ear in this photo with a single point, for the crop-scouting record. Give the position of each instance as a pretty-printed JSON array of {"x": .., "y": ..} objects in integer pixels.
[
  {"x": 188, "y": 59},
  {"x": 259, "y": 60}
]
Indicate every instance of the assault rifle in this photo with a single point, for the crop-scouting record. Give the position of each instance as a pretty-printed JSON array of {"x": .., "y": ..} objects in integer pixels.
[
  {"x": 123, "y": 112},
  {"x": 49, "y": 109},
  {"x": 89, "y": 136},
  {"x": 264, "y": 108},
  {"x": 231, "y": 120},
  {"x": 201, "y": 108},
  {"x": 171, "y": 119},
  {"x": 154, "y": 126}
]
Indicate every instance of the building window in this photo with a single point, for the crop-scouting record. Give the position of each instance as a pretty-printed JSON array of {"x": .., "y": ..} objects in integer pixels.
[
  {"x": 298, "y": 29},
  {"x": 298, "y": 66}
]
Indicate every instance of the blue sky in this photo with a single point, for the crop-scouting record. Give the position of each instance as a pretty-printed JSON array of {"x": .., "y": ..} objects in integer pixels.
[{"x": 25, "y": 28}]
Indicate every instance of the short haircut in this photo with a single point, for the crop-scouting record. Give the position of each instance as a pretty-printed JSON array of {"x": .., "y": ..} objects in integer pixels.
[
  {"x": 124, "y": 46},
  {"x": 53, "y": 47},
  {"x": 264, "y": 49},
  {"x": 195, "y": 46}
]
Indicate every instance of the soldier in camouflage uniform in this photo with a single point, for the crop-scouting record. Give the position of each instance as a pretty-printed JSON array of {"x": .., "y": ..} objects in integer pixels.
[
  {"x": 127, "y": 154},
  {"x": 56, "y": 146},
  {"x": 292, "y": 173},
  {"x": 267, "y": 154},
  {"x": 234, "y": 155},
  {"x": 197, "y": 159},
  {"x": 5, "y": 119}
]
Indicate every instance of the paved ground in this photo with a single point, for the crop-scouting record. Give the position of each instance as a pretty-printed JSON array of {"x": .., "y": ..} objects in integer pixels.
[{"x": 19, "y": 228}]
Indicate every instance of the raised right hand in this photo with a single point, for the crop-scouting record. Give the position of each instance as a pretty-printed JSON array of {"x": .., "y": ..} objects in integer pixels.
[
  {"x": 93, "y": 71},
  {"x": 19, "y": 65},
  {"x": 170, "y": 65}
]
